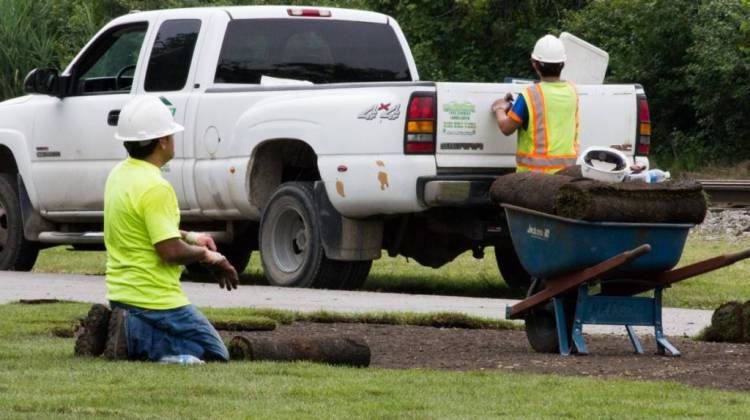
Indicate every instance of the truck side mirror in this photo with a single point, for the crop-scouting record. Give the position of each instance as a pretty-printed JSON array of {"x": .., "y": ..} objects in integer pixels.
[{"x": 42, "y": 80}]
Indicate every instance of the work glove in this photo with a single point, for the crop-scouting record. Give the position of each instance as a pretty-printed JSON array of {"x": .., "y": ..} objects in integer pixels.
[
  {"x": 200, "y": 239},
  {"x": 220, "y": 267}
]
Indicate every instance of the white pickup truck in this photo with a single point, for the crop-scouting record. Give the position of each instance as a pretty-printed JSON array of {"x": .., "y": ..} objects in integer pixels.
[{"x": 309, "y": 136}]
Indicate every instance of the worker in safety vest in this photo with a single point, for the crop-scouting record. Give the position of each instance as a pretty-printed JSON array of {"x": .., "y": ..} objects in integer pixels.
[
  {"x": 151, "y": 317},
  {"x": 545, "y": 114}
]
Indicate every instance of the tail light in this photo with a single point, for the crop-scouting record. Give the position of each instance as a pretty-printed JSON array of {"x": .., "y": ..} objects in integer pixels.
[
  {"x": 643, "y": 131},
  {"x": 419, "y": 137},
  {"x": 309, "y": 12}
]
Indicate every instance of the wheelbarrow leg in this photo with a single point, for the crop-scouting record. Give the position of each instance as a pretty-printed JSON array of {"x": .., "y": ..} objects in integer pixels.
[
  {"x": 634, "y": 339},
  {"x": 562, "y": 326},
  {"x": 577, "y": 335},
  {"x": 662, "y": 344}
]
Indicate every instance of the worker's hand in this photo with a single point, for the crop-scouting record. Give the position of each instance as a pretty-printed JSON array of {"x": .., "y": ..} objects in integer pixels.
[
  {"x": 221, "y": 269},
  {"x": 206, "y": 242},
  {"x": 199, "y": 239},
  {"x": 226, "y": 275},
  {"x": 503, "y": 104}
]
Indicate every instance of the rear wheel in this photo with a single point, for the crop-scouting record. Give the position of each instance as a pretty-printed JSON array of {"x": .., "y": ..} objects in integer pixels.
[
  {"x": 291, "y": 249},
  {"x": 356, "y": 275},
  {"x": 514, "y": 275},
  {"x": 16, "y": 253}
]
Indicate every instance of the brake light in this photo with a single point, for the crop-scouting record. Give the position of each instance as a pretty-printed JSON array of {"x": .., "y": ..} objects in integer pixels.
[
  {"x": 420, "y": 125},
  {"x": 309, "y": 12},
  {"x": 643, "y": 131}
]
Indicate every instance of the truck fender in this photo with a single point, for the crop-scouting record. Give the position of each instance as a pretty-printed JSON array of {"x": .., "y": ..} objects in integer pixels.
[
  {"x": 343, "y": 238},
  {"x": 272, "y": 121}
]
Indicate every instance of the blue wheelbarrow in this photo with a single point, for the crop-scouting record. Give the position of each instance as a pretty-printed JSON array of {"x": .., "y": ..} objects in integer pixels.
[{"x": 591, "y": 273}]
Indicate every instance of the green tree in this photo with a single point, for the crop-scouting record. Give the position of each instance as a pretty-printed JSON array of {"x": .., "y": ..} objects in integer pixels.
[
  {"x": 647, "y": 41},
  {"x": 718, "y": 78}
]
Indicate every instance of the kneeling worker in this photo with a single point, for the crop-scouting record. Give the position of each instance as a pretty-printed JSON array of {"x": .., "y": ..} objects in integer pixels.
[
  {"x": 545, "y": 114},
  {"x": 151, "y": 317}
]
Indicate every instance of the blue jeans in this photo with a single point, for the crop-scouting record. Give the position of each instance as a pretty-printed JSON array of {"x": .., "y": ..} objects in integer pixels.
[{"x": 153, "y": 334}]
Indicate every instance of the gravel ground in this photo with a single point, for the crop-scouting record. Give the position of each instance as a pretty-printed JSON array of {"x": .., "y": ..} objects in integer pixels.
[{"x": 724, "y": 225}]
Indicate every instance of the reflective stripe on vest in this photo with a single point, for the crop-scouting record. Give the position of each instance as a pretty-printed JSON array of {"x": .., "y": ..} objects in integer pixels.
[{"x": 550, "y": 141}]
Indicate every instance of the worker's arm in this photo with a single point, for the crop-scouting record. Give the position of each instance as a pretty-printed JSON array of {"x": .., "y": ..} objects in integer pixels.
[
  {"x": 501, "y": 107},
  {"x": 175, "y": 251},
  {"x": 161, "y": 215}
]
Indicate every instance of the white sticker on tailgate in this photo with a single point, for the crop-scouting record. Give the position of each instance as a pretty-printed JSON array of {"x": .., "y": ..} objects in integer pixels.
[{"x": 459, "y": 119}]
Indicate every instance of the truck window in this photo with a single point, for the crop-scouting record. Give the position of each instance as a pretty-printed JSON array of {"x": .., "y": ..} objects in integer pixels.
[
  {"x": 109, "y": 64},
  {"x": 170, "y": 59},
  {"x": 314, "y": 50}
]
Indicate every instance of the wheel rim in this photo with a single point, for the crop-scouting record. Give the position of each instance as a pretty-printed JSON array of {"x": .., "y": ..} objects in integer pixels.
[
  {"x": 289, "y": 240},
  {"x": 3, "y": 227}
]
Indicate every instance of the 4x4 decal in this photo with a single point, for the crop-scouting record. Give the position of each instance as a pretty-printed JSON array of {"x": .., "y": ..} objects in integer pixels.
[{"x": 382, "y": 110}]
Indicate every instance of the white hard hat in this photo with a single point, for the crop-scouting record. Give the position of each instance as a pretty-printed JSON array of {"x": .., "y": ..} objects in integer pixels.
[
  {"x": 145, "y": 118},
  {"x": 603, "y": 164},
  {"x": 549, "y": 49}
]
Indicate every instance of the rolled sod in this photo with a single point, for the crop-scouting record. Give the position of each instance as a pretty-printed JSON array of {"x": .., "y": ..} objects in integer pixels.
[
  {"x": 728, "y": 323},
  {"x": 334, "y": 350},
  {"x": 584, "y": 199}
]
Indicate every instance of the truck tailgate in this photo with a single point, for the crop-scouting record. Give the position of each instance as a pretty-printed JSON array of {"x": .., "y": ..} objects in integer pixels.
[{"x": 468, "y": 136}]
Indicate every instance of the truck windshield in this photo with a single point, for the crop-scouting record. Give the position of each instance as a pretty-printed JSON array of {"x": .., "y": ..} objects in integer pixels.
[{"x": 319, "y": 51}]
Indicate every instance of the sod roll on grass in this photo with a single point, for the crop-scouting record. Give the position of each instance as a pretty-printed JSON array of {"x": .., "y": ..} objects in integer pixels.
[{"x": 334, "y": 350}]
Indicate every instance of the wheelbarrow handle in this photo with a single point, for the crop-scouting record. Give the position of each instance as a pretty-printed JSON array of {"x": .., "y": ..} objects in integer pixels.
[
  {"x": 701, "y": 267},
  {"x": 637, "y": 252}
]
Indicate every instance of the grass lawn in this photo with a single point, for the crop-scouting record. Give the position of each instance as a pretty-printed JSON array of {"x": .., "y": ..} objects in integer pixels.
[
  {"x": 467, "y": 276},
  {"x": 41, "y": 379}
]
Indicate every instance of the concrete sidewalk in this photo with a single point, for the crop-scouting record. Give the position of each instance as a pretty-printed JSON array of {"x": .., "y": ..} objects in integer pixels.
[{"x": 15, "y": 286}]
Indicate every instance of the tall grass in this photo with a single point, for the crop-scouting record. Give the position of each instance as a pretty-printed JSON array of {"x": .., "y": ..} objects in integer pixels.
[{"x": 25, "y": 43}]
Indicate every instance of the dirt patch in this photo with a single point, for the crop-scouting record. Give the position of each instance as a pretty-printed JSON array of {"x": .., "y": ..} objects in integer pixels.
[{"x": 712, "y": 365}]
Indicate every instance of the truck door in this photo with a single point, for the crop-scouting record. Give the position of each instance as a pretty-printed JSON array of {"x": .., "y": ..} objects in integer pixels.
[
  {"x": 170, "y": 75},
  {"x": 73, "y": 144}
]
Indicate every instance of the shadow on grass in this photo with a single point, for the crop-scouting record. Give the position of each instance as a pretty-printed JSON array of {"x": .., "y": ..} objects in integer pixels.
[{"x": 470, "y": 286}]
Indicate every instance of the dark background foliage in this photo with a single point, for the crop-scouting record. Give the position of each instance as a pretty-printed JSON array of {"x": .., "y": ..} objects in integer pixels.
[{"x": 691, "y": 56}]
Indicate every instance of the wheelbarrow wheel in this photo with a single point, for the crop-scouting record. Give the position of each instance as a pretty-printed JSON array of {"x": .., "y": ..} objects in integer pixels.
[{"x": 541, "y": 328}]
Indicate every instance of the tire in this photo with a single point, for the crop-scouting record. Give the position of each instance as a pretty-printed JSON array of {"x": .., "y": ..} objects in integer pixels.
[
  {"x": 16, "y": 253},
  {"x": 541, "y": 327},
  {"x": 356, "y": 275},
  {"x": 511, "y": 269},
  {"x": 291, "y": 249}
]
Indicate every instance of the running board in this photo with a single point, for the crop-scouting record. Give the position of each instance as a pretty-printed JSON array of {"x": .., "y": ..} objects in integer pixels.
[
  {"x": 64, "y": 238},
  {"x": 71, "y": 237}
]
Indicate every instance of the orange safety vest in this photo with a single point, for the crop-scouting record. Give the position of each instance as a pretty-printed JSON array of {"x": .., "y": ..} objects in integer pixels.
[{"x": 550, "y": 142}]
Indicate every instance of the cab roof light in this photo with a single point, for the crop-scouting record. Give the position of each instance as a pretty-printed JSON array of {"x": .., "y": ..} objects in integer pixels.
[{"x": 309, "y": 12}]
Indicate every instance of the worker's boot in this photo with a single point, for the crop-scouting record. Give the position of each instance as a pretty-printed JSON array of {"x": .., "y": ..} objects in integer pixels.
[
  {"x": 91, "y": 336},
  {"x": 117, "y": 343}
]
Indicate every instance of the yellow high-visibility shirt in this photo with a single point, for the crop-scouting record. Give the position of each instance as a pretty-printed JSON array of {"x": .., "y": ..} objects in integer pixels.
[{"x": 141, "y": 210}]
